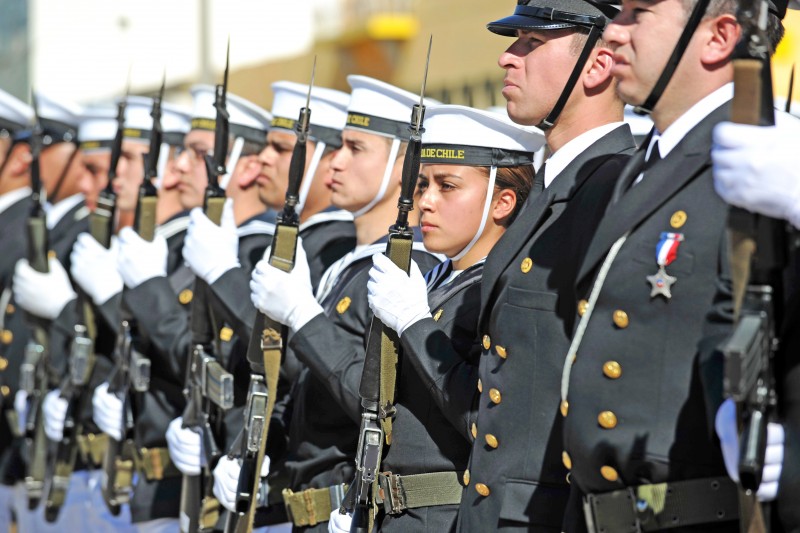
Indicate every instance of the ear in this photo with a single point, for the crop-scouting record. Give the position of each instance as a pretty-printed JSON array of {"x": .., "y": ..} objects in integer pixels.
[
  {"x": 598, "y": 68},
  {"x": 723, "y": 32},
  {"x": 504, "y": 204}
]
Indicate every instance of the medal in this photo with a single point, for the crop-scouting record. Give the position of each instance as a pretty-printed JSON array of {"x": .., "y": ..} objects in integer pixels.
[{"x": 666, "y": 252}]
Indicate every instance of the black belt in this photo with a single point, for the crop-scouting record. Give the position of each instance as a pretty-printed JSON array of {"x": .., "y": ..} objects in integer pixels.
[{"x": 662, "y": 506}]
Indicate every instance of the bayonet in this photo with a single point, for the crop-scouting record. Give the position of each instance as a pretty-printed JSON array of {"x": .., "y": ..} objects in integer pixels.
[
  {"x": 145, "y": 220},
  {"x": 790, "y": 92}
]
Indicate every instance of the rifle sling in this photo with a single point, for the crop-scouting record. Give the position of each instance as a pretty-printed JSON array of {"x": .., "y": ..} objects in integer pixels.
[{"x": 399, "y": 251}]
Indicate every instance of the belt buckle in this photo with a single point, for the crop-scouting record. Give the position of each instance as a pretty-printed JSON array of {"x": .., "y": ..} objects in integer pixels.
[
  {"x": 597, "y": 509},
  {"x": 392, "y": 493},
  {"x": 271, "y": 339}
]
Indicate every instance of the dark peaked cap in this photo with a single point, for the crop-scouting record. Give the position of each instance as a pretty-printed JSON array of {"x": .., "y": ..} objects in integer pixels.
[{"x": 552, "y": 15}]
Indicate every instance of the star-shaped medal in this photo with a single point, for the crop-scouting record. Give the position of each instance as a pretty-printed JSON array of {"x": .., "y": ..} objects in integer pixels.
[{"x": 660, "y": 283}]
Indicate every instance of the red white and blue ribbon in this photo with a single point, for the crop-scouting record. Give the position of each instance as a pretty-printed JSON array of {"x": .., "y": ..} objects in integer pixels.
[{"x": 667, "y": 248}]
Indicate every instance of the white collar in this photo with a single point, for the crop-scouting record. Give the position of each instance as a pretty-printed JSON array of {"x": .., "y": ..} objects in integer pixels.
[
  {"x": 327, "y": 216},
  {"x": 676, "y": 131},
  {"x": 11, "y": 197},
  {"x": 55, "y": 212},
  {"x": 564, "y": 155}
]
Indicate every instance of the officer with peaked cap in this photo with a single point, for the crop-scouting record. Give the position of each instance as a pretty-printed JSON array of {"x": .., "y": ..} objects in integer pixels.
[
  {"x": 476, "y": 174},
  {"x": 515, "y": 480},
  {"x": 327, "y": 232},
  {"x": 655, "y": 284},
  {"x": 15, "y": 192},
  {"x": 329, "y": 336}
]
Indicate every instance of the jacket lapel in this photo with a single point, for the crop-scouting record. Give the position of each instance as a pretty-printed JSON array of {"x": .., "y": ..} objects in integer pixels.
[{"x": 665, "y": 179}]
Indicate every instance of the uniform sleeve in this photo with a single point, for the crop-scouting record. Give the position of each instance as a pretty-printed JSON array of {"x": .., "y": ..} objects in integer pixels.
[
  {"x": 167, "y": 329},
  {"x": 231, "y": 293},
  {"x": 450, "y": 379},
  {"x": 333, "y": 358}
]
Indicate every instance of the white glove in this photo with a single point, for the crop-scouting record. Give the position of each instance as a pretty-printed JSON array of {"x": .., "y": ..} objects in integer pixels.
[
  {"x": 185, "y": 448},
  {"x": 54, "y": 408},
  {"x": 208, "y": 249},
  {"x": 94, "y": 268},
  {"x": 43, "y": 295},
  {"x": 756, "y": 168},
  {"x": 285, "y": 297},
  {"x": 107, "y": 412},
  {"x": 226, "y": 480},
  {"x": 339, "y": 523},
  {"x": 725, "y": 424},
  {"x": 21, "y": 407},
  {"x": 397, "y": 299},
  {"x": 140, "y": 260}
]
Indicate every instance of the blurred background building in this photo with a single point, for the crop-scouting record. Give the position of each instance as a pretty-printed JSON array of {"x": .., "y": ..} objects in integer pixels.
[{"x": 84, "y": 50}]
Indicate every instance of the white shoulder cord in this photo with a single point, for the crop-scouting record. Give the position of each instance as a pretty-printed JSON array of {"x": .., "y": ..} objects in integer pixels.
[
  {"x": 305, "y": 183},
  {"x": 486, "y": 205},
  {"x": 595, "y": 294},
  {"x": 387, "y": 175}
]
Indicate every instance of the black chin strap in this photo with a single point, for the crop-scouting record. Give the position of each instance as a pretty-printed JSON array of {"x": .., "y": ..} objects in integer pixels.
[
  {"x": 63, "y": 175},
  {"x": 598, "y": 25},
  {"x": 697, "y": 15}
]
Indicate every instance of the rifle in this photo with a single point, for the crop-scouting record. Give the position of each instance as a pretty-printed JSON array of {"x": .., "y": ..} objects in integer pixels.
[
  {"x": 758, "y": 255},
  {"x": 82, "y": 356},
  {"x": 34, "y": 369},
  {"x": 378, "y": 378},
  {"x": 145, "y": 219},
  {"x": 207, "y": 382},
  {"x": 265, "y": 349}
]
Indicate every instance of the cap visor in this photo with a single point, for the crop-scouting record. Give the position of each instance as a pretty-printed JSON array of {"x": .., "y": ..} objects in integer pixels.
[{"x": 508, "y": 26}]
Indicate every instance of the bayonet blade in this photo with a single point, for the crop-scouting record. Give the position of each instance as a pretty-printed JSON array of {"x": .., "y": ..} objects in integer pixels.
[
  {"x": 425, "y": 76},
  {"x": 311, "y": 85},
  {"x": 227, "y": 66},
  {"x": 790, "y": 94}
]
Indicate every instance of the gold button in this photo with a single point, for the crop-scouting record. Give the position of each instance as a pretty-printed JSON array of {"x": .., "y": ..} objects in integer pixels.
[
  {"x": 51, "y": 254},
  {"x": 495, "y": 396},
  {"x": 501, "y": 352},
  {"x": 607, "y": 419},
  {"x": 474, "y": 430},
  {"x": 492, "y": 441},
  {"x": 7, "y": 336},
  {"x": 185, "y": 296},
  {"x": 567, "y": 460},
  {"x": 621, "y": 319},
  {"x": 343, "y": 305},
  {"x": 437, "y": 315},
  {"x": 225, "y": 334},
  {"x": 3, "y": 363},
  {"x": 487, "y": 342},
  {"x": 480, "y": 385},
  {"x": 582, "y": 305},
  {"x": 482, "y": 489},
  {"x": 564, "y": 408},
  {"x": 465, "y": 479},
  {"x": 612, "y": 369},
  {"x": 526, "y": 265},
  {"x": 678, "y": 219},
  {"x": 4, "y": 390},
  {"x": 10, "y": 309},
  {"x": 609, "y": 473}
]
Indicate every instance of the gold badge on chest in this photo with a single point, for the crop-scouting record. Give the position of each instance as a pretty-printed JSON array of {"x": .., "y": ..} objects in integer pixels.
[{"x": 343, "y": 305}]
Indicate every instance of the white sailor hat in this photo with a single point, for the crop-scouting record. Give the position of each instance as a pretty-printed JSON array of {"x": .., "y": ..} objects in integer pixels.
[
  {"x": 15, "y": 115},
  {"x": 247, "y": 120},
  {"x": 176, "y": 121},
  {"x": 460, "y": 135},
  {"x": 328, "y": 110},
  {"x": 138, "y": 122},
  {"x": 59, "y": 120},
  {"x": 379, "y": 108},
  {"x": 97, "y": 128}
]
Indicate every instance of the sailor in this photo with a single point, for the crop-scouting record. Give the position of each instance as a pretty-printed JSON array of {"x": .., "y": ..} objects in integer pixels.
[
  {"x": 476, "y": 174},
  {"x": 328, "y": 333}
]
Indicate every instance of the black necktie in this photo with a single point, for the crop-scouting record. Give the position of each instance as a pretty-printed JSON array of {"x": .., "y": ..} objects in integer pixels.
[
  {"x": 655, "y": 157},
  {"x": 538, "y": 180}
]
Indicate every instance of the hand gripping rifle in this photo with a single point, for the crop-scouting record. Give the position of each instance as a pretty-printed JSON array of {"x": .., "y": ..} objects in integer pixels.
[
  {"x": 131, "y": 369},
  {"x": 378, "y": 379},
  {"x": 265, "y": 349},
  {"x": 207, "y": 381},
  {"x": 34, "y": 370},
  {"x": 82, "y": 356},
  {"x": 758, "y": 255}
]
